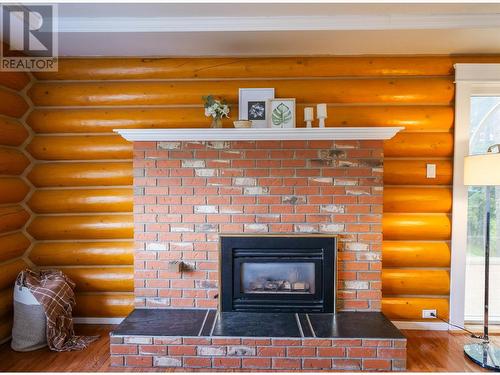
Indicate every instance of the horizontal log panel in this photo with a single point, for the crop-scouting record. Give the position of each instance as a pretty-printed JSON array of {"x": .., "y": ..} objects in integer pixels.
[
  {"x": 6, "y": 297},
  {"x": 12, "y": 190},
  {"x": 420, "y": 145},
  {"x": 432, "y": 227},
  {"x": 12, "y": 246},
  {"x": 415, "y": 281},
  {"x": 13, "y": 133},
  {"x": 12, "y": 218},
  {"x": 73, "y": 227},
  {"x": 76, "y": 200},
  {"x": 403, "y": 308},
  {"x": 80, "y": 147},
  {"x": 415, "y": 254},
  {"x": 12, "y": 161},
  {"x": 82, "y": 253},
  {"x": 10, "y": 271},
  {"x": 191, "y": 68},
  {"x": 409, "y": 199},
  {"x": 14, "y": 80},
  {"x": 81, "y": 174},
  {"x": 413, "y": 118},
  {"x": 12, "y": 104},
  {"x": 414, "y": 172},
  {"x": 398, "y": 90},
  {"x": 267, "y": 67},
  {"x": 5, "y": 328},
  {"x": 102, "y": 279},
  {"x": 104, "y": 305}
]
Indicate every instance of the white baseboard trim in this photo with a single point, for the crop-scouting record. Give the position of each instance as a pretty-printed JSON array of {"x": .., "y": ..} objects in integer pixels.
[
  {"x": 85, "y": 320},
  {"x": 426, "y": 326}
]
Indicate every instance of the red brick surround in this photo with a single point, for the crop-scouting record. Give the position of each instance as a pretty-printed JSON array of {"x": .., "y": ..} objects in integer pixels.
[
  {"x": 187, "y": 193},
  {"x": 259, "y": 353}
]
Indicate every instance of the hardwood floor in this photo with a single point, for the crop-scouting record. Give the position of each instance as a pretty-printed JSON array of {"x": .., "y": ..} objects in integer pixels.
[{"x": 427, "y": 351}]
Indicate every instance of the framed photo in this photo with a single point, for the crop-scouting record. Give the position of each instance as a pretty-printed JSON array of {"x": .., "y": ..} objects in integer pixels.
[
  {"x": 281, "y": 113},
  {"x": 253, "y": 105}
]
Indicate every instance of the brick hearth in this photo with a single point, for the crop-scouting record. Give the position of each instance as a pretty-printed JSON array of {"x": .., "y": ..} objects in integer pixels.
[{"x": 262, "y": 353}]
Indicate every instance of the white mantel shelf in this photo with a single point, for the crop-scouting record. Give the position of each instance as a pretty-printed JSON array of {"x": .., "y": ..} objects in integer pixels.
[{"x": 260, "y": 134}]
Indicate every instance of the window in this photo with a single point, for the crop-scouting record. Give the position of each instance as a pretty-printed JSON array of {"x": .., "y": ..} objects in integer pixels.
[
  {"x": 477, "y": 126},
  {"x": 484, "y": 131}
]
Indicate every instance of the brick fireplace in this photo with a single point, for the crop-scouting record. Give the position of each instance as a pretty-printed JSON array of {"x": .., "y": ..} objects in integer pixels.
[{"x": 188, "y": 194}]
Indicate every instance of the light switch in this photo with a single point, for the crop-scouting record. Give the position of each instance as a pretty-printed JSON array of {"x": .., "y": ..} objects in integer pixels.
[{"x": 431, "y": 170}]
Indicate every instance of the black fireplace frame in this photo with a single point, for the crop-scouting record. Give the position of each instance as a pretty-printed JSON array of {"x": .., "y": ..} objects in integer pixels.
[{"x": 318, "y": 249}]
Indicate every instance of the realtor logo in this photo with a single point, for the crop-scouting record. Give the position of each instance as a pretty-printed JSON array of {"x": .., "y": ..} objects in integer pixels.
[{"x": 29, "y": 36}]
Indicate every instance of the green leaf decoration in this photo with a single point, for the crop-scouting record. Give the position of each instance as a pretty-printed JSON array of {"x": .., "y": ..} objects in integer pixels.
[{"x": 281, "y": 115}]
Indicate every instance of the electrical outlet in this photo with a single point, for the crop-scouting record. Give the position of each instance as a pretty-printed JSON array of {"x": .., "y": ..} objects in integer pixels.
[
  {"x": 429, "y": 314},
  {"x": 431, "y": 171}
]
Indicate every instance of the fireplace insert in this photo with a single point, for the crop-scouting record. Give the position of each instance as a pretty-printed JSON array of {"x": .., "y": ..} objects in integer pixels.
[{"x": 278, "y": 273}]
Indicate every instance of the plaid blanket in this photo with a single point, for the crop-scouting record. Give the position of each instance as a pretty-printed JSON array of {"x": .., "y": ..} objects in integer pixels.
[{"x": 54, "y": 291}]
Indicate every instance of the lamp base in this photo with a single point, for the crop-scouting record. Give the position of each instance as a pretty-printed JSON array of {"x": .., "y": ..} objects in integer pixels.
[{"x": 484, "y": 354}]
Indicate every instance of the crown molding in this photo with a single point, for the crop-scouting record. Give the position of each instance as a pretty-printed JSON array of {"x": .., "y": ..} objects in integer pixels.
[
  {"x": 260, "y": 134},
  {"x": 277, "y": 23}
]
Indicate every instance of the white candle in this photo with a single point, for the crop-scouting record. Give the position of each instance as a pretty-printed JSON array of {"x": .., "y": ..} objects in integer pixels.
[
  {"x": 308, "y": 113},
  {"x": 321, "y": 111}
]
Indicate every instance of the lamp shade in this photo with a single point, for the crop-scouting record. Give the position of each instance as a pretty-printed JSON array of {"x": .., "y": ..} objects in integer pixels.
[{"x": 482, "y": 170}]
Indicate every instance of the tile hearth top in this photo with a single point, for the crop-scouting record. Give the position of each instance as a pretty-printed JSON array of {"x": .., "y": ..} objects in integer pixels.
[{"x": 202, "y": 322}]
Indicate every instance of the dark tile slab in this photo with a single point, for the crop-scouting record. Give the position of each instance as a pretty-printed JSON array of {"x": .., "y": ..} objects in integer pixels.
[
  {"x": 246, "y": 324},
  {"x": 162, "y": 322},
  {"x": 305, "y": 325},
  {"x": 354, "y": 325},
  {"x": 209, "y": 323},
  {"x": 191, "y": 322}
]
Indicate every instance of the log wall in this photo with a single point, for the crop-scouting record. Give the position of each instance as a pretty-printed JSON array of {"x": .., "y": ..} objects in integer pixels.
[
  {"x": 83, "y": 174},
  {"x": 14, "y": 189}
]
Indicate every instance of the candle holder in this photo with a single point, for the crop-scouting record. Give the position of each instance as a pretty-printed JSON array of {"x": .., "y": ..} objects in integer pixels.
[
  {"x": 321, "y": 114},
  {"x": 308, "y": 116}
]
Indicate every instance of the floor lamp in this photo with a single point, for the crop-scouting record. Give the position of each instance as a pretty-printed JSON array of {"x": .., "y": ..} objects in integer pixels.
[{"x": 484, "y": 170}]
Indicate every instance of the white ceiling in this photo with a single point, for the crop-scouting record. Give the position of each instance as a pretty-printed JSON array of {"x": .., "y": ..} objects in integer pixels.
[{"x": 277, "y": 29}]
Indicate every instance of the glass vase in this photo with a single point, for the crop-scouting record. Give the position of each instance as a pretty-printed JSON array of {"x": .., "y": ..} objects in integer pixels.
[{"x": 216, "y": 123}]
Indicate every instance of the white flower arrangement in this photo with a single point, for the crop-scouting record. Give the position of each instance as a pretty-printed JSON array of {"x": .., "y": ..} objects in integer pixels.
[{"x": 216, "y": 108}]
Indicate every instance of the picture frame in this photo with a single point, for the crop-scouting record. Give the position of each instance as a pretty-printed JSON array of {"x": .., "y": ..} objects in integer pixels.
[
  {"x": 253, "y": 105},
  {"x": 281, "y": 113}
]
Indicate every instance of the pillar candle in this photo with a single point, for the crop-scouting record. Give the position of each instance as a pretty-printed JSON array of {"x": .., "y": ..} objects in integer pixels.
[
  {"x": 321, "y": 111},
  {"x": 308, "y": 113}
]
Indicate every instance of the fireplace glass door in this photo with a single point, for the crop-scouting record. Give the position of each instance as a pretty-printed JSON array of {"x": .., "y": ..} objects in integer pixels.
[
  {"x": 278, "y": 277},
  {"x": 278, "y": 274}
]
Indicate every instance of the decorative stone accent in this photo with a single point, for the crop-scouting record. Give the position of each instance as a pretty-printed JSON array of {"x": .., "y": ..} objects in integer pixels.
[
  {"x": 166, "y": 362},
  {"x": 193, "y": 164},
  {"x": 240, "y": 351},
  {"x": 211, "y": 350},
  {"x": 256, "y": 190},
  {"x": 169, "y": 145},
  {"x": 242, "y": 181}
]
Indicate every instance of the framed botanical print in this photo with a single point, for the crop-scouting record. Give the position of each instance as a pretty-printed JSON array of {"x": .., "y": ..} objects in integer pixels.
[
  {"x": 281, "y": 113},
  {"x": 253, "y": 105}
]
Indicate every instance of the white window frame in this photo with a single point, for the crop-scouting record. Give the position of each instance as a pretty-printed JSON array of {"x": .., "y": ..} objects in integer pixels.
[{"x": 471, "y": 80}]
